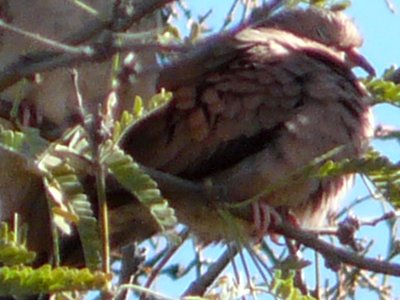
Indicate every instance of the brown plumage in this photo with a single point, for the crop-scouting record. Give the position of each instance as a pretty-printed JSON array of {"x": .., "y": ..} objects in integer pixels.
[{"x": 252, "y": 107}]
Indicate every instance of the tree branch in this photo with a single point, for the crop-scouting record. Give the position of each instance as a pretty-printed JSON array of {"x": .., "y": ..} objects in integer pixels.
[
  {"x": 36, "y": 62},
  {"x": 98, "y": 52},
  {"x": 330, "y": 251},
  {"x": 199, "y": 286},
  {"x": 186, "y": 197}
]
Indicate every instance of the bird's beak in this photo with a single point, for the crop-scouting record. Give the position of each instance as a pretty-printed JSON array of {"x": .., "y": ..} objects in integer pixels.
[{"x": 357, "y": 60}]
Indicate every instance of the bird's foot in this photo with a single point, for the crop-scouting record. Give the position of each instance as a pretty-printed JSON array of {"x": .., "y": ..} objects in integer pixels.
[{"x": 263, "y": 216}]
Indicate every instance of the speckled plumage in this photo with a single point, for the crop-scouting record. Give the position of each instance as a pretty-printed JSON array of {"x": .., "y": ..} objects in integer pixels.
[{"x": 253, "y": 107}]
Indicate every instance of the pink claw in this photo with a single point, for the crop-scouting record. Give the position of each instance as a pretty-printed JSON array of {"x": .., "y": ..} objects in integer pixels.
[{"x": 263, "y": 215}]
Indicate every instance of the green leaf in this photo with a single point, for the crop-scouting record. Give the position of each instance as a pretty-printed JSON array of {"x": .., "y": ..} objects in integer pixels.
[
  {"x": 380, "y": 170},
  {"x": 128, "y": 118},
  {"x": 383, "y": 91},
  {"x": 385, "y": 175},
  {"x": 131, "y": 177},
  {"x": 27, "y": 143},
  {"x": 13, "y": 248},
  {"x": 22, "y": 281},
  {"x": 69, "y": 202},
  {"x": 283, "y": 287},
  {"x": 160, "y": 99}
]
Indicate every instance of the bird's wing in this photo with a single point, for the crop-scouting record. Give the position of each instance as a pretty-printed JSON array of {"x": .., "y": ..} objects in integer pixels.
[{"x": 243, "y": 95}]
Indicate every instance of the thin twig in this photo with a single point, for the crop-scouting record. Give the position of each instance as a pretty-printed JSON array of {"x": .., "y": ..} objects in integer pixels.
[
  {"x": 370, "y": 191},
  {"x": 143, "y": 290},
  {"x": 391, "y": 6},
  {"x": 100, "y": 175},
  {"x": 353, "y": 204},
  {"x": 131, "y": 261},
  {"x": 229, "y": 16},
  {"x": 257, "y": 261},
  {"x": 85, "y": 7},
  {"x": 198, "y": 257},
  {"x": 72, "y": 56},
  {"x": 184, "y": 234},
  {"x": 100, "y": 52},
  {"x": 317, "y": 293},
  {"x": 330, "y": 251},
  {"x": 387, "y": 216},
  {"x": 294, "y": 254},
  {"x": 103, "y": 218},
  {"x": 235, "y": 268},
  {"x": 246, "y": 269},
  {"x": 45, "y": 41},
  {"x": 199, "y": 286}
]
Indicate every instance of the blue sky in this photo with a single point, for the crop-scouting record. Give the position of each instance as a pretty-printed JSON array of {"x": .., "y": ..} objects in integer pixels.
[{"x": 381, "y": 31}]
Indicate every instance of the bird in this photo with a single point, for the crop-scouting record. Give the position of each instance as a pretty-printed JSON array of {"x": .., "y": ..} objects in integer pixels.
[{"x": 254, "y": 106}]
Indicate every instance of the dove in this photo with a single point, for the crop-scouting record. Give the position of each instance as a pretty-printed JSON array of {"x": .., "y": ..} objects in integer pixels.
[{"x": 253, "y": 107}]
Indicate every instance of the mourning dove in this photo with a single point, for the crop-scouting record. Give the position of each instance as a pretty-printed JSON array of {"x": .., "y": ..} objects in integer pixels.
[{"x": 252, "y": 107}]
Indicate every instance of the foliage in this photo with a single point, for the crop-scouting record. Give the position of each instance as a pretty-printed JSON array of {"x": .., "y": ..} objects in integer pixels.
[
  {"x": 70, "y": 205},
  {"x": 13, "y": 250},
  {"x": 139, "y": 110},
  {"x": 332, "y": 4},
  {"x": 79, "y": 151},
  {"x": 21, "y": 280},
  {"x": 129, "y": 174},
  {"x": 381, "y": 171},
  {"x": 385, "y": 175},
  {"x": 18, "y": 279},
  {"x": 383, "y": 89},
  {"x": 284, "y": 288},
  {"x": 127, "y": 119},
  {"x": 26, "y": 143}
]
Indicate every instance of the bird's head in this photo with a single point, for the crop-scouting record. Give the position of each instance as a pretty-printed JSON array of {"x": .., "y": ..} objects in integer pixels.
[{"x": 331, "y": 28}]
